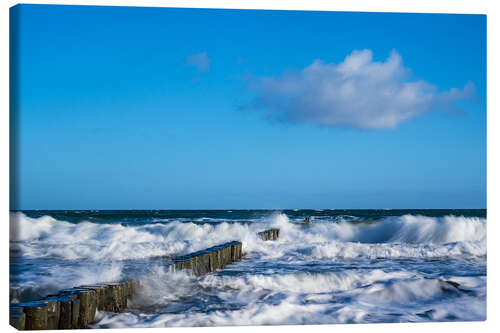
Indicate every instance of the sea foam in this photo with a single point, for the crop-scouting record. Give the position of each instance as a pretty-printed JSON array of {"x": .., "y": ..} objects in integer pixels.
[
  {"x": 329, "y": 271},
  {"x": 405, "y": 236}
]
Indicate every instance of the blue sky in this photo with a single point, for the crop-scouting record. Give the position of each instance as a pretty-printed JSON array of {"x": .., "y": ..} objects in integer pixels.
[{"x": 160, "y": 108}]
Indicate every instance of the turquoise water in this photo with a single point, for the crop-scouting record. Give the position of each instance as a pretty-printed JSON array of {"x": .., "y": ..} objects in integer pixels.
[{"x": 346, "y": 266}]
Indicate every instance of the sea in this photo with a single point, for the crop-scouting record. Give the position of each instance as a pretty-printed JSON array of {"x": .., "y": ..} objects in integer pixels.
[{"x": 345, "y": 266}]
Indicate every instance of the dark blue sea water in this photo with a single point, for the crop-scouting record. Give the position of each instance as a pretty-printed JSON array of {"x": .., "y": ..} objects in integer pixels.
[{"x": 346, "y": 266}]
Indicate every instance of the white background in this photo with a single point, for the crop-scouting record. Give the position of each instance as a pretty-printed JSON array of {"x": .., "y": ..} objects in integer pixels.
[{"x": 418, "y": 6}]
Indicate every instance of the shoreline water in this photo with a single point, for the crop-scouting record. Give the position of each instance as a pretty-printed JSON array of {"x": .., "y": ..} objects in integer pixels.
[{"x": 344, "y": 266}]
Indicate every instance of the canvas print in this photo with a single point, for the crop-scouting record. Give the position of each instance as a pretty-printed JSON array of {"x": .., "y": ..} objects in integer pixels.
[{"x": 221, "y": 167}]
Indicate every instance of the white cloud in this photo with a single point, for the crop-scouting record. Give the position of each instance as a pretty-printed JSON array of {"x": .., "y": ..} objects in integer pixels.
[
  {"x": 358, "y": 92},
  {"x": 200, "y": 60}
]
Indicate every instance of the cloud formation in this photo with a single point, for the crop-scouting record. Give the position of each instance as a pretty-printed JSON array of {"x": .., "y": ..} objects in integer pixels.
[
  {"x": 358, "y": 93},
  {"x": 200, "y": 60}
]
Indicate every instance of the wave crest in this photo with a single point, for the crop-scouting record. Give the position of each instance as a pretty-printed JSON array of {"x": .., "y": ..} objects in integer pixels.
[{"x": 408, "y": 235}]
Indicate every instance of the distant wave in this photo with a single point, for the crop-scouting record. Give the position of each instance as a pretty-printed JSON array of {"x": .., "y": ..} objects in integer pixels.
[{"x": 391, "y": 237}]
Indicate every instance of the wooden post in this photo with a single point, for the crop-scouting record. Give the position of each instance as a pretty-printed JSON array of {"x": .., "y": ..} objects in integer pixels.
[
  {"x": 65, "y": 311},
  {"x": 206, "y": 262},
  {"x": 227, "y": 251},
  {"x": 126, "y": 289},
  {"x": 100, "y": 294},
  {"x": 194, "y": 263},
  {"x": 213, "y": 261},
  {"x": 220, "y": 262},
  {"x": 129, "y": 289},
  {"x": 238, "y": 250},
  {"x": 53, "y": 312},
  {"x": 223, "y": 254},
  {"x": 17, "y": 319},
  {"x": 233, "y": 251},
  {"x": 36, "y": 315},
  {"x": 66, "y": 315},
  {"x": 88, "y": 305},
  {"x": 115, "y": 298},
  {"x": 271, "y": 234},
  {"x": 75, "y": 309}
]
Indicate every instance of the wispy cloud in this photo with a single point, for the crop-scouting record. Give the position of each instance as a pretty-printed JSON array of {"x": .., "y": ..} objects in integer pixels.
[
  {"x": 358, "y": 93},
  {"x": 200, "y": 60}
]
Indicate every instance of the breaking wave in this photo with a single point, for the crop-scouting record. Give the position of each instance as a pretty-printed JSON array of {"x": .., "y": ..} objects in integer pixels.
[
  {"x": 302, "y": 298},
  {"x": 404, "y": 236},
  {"x": 333, "y": 270}
]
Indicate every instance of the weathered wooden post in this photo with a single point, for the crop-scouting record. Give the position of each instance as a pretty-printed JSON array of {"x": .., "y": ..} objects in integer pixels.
[
  {"x": 128, "y": 283},
  {"x": 53, "y": 311},
  {"x": 202, "y": 268},
  {"x": 220, "y": 262},
  {"x": 115, "y": 297},
  {"x": 75, "y": 309},
  {"x": 227, "y": 250},
  {"x": 239, "y": 251},
  {"x": 235, "y": 251},
  {"x": 127, "y": 287},
  {"x": 88, "y": 304},
  {"x": 271, "y": 234},
  {"x": 206, "y": 261},
  {"x": 123, "y": 296},
  {"x": 108, "y": 300},
  {"x": 223, "y": 255},
  {"x": 213, "y": 261},
  {"x": 36, "y": 315},
  {"x": 100, "y": 294},
  {"x": 65, "y": 311},
  {"x": 17, "y": 318},
  {"x": 72, "y": 309},
  {"x": 193, "y": 262},
  {"x": 182, "y": 263}
]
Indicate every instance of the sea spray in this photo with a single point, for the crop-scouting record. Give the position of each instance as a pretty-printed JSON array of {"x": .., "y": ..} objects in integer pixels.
[{"x": 343, "y": 267}]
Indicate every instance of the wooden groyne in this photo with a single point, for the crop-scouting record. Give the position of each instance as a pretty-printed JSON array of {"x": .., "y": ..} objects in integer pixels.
[
  {"x": 270, "y": 234},
  {"x": 75, "y": 308},
  {"x": 209, "y": 260}
]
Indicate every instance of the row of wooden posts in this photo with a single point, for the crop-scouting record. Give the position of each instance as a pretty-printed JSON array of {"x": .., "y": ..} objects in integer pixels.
[
  {"x": 72, "y": 308},
  {"x": 76, "y": 307},
  {"x": 271, "y": 234},
  {"x": 209, "y": 260}
]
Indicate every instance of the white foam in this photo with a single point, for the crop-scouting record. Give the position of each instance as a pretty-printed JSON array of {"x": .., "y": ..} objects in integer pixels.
[
  {"x": 50, "y": 279},
  {"x": 326, "y": 298},
  {"x": 405, "y": 236},
  {"x": 86, "y": 253}
]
